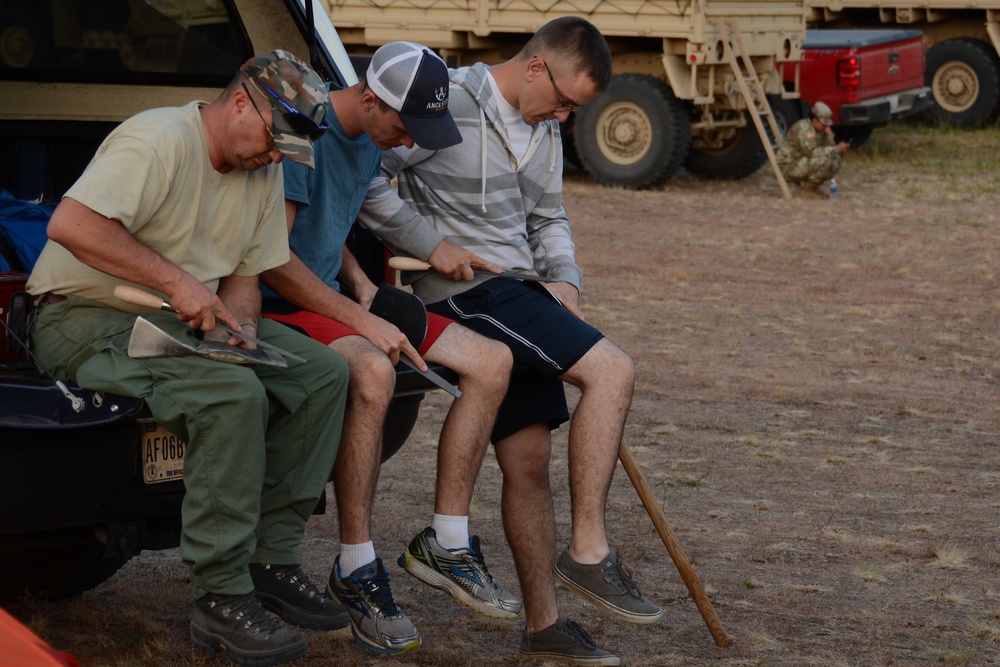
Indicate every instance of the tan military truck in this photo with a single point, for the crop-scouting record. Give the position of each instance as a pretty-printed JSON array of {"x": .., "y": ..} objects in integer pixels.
[
  {"x": 962, "y": 38},
  {"x": 675, "y": 101}
]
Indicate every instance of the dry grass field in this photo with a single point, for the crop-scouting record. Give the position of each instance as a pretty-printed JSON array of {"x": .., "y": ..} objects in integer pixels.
[{"x": 816, "y": 408}]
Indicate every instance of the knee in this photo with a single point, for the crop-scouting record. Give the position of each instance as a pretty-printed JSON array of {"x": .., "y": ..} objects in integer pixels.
[
  {"x": 526, "y": 467},
  {"x": 496, "y": 364},
  {"x": 373, "y": 379},
  {"x": 613, "y": 367}
]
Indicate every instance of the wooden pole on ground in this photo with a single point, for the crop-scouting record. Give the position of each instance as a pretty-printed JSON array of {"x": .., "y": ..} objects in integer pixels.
[{"x": 673, "y": 546}]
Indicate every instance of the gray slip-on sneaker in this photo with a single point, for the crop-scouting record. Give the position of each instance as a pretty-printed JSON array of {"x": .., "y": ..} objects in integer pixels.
[
  {"x": 566, "y": 642},
  {"x": 608, "y": 586}
]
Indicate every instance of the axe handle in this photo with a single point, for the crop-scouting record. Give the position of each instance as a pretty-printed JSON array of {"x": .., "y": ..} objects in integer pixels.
[
  {"x": 140, "y": 297},
  {"x": 673, "y": 546},
  {"x": 408, "y": 264}
]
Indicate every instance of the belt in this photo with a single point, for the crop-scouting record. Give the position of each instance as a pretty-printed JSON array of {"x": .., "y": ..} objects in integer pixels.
[{"x": 49, "y": 298}]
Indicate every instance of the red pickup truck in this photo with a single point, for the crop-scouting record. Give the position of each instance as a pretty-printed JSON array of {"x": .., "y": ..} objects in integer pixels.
[{"x": 866, "y": 77}]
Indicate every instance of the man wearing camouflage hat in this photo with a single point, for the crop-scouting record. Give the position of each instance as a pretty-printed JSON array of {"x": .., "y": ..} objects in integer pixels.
[
  {"x": 810, "y": 156},
  {"x": 187, "y": 202}
]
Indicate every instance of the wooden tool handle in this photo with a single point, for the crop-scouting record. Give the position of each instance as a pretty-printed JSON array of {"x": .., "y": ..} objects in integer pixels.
[
  {"x": 140, "y": 297},
  {"x": 408, "y": 264},
  {"x": 673, "y": 546}
]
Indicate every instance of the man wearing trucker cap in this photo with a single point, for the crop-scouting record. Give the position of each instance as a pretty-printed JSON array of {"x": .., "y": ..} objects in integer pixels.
[
  {"x": 187, "y": 203},
  {"x": 403, "y": 100}
]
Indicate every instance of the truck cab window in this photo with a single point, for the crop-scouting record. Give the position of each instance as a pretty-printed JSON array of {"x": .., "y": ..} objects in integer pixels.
[{"x": 121, "y": 41}]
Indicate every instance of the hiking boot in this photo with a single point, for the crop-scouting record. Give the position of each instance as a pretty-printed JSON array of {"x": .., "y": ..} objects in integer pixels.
[
  {"x": 461, "y": 573},
  {"x": 565, "y": 641},
  {"x": 608, "y": 586},
  {"x": 238, "y": 626},
  {"x": 377, "y": 623},
  {"x": 287, "y": 591}
]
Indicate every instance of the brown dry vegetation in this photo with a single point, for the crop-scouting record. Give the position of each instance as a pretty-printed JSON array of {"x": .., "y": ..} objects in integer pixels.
[{"x": 816, "y": 408}]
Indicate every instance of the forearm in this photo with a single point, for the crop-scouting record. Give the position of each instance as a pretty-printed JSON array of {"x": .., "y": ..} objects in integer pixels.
[
  {"x": 298, "y": 285},
  {"x": 395, "y": 220},
  {"x": 355, "y": 278},
  {"x": 241, "y": 295},
  {"x": 107, "y": 246}
]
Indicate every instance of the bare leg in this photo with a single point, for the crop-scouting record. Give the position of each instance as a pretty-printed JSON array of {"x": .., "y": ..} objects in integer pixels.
[
  {"x": 483, "y": 366},
  {"x": 355, "y": 472},
  {"x": 528, "y": 520},
  {"x": 606, "y": 378}
]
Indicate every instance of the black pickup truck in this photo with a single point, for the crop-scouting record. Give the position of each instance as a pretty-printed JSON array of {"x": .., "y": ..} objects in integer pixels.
[{"x": 88, "y": 480}]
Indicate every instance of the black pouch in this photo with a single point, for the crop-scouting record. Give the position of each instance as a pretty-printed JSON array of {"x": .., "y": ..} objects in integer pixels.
[{"x": 17, "y": 321}]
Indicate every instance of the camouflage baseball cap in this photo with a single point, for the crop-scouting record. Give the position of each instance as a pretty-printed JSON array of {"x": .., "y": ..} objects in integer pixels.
[
  {"x": 298, "y": 98},
  {"x": 822, "y": 112}
]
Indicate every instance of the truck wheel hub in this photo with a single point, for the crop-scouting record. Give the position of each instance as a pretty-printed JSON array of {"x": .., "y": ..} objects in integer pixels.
[
  {"x": 626, "y": 133},
  {"x": 16, "y": 47},
  {"x": 956, "y": 86}
]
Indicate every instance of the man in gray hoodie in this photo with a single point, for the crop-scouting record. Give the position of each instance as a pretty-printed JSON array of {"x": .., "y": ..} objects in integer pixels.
[{"x": 492, "y": 203}]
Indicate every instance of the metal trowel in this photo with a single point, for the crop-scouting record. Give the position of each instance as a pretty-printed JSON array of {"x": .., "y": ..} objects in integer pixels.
[{"x": 149, "y": 341}]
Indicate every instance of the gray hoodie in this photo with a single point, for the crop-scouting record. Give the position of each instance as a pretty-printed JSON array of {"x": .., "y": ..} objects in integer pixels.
[{"x": 476, "y": 195}]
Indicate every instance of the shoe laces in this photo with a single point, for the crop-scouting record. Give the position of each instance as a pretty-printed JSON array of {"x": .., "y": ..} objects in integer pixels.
[
  {"x": 573, "y": 630},
  {"x": 248, "y": 607},
  {"x": 296, "y": 577},
  {"x": 377, "y": 590},
  {"x": 618, "y": 575}
]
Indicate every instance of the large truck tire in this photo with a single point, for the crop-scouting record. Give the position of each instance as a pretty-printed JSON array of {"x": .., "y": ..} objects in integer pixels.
[
  {"x": 56, "y": 571},
  {"x": 737, "y": 156},
  {"x": 786, "y": 113},
  {"x": 634, "y": 134},
  {"x": 964, "y": 77}
]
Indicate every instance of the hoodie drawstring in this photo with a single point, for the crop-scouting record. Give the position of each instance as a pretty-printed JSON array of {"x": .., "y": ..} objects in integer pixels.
[
  {"x": 482, "y": 128},
  {"x": 552, "y": 144}
]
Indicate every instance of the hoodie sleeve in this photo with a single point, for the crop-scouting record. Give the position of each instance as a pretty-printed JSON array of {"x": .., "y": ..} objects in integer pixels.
[
  {"x": 550, "y": 236},
  {"x": 391, "y": 218}
]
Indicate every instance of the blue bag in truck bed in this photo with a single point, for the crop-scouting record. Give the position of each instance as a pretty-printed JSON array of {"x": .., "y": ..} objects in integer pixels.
[{"x": 22, "y": 231}]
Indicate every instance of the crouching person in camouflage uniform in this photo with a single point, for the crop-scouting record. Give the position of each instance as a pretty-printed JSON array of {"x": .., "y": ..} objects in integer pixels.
[{"x": 809, "y": 156}]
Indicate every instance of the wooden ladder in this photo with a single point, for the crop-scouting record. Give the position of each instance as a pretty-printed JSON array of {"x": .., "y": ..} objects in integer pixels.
[{"x": 755, "y": 98}]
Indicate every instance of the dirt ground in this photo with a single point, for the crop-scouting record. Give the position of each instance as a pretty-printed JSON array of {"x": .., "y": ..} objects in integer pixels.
[{"x": 816, "y": 409}]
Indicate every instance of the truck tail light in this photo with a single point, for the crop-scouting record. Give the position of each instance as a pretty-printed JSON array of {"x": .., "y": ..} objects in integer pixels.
[{"x": 849, "y": 74}]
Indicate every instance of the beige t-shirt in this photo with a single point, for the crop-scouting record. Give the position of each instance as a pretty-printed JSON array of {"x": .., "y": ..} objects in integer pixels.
[{"x": 153, "y": 175}]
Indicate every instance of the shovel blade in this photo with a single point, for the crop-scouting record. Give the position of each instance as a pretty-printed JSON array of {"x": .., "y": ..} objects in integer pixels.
[{"x": 149, "y": 341}]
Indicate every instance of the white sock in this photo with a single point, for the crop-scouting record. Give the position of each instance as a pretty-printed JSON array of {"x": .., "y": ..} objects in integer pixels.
[
  {"x": 452, "y": 531},
  {"x": 353, "y": 556}
]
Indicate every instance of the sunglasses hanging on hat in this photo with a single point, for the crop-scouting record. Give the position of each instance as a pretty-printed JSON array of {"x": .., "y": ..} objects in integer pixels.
[{"x": 313, "y": 126}]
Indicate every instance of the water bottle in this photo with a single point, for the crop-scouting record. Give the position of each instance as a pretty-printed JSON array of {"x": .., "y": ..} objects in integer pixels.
[{"x": 833, "y": 188}]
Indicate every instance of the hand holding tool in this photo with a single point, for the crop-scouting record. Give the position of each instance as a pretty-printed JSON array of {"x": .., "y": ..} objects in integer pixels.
[
  {"x": 408, "y": 313},
  {"x": 140, "y": 297},
  {"x": 414, "y": 264}
]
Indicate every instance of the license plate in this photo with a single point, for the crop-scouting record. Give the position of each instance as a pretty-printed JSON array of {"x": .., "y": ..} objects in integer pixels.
[{"x": 162, "y": 454}]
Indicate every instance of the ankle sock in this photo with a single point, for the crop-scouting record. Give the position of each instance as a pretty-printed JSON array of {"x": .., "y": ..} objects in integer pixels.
[
  {"x": 353, "y": 556},
  {"x": 452, "y": 531}
]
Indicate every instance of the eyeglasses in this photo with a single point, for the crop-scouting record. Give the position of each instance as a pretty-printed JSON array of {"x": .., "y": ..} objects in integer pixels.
[
  {"x": 564, "y": 103},
  {"x": 300, "y": 123},
  {"x": 266, "y": 126}
]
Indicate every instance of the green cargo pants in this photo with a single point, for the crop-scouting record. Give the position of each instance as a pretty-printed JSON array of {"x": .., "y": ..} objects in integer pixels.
[{"x": 261, "y": 440}]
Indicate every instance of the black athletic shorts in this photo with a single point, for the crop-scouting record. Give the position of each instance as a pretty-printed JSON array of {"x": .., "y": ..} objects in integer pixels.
[{"x": 545, "y": 339}]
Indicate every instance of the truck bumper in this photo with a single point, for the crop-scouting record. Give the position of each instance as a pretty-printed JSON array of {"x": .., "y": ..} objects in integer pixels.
[{"x": 881, "y": 110}]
